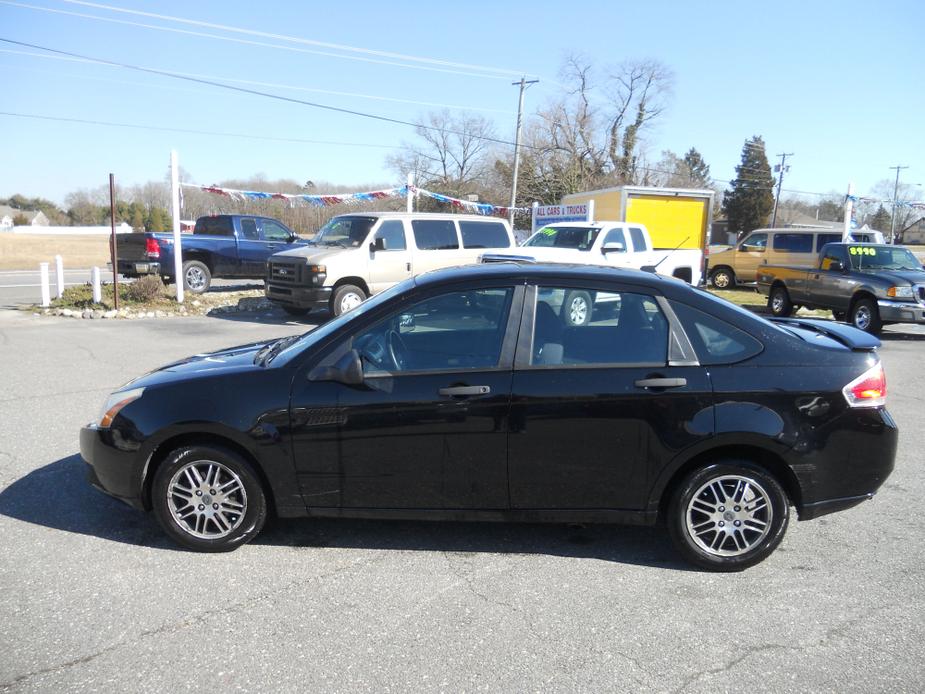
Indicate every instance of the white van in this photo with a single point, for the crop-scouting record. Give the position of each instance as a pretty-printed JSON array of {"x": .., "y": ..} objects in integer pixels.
[
  {"x": 357, "y": 255},
  {"x": 788, "y": 246}
]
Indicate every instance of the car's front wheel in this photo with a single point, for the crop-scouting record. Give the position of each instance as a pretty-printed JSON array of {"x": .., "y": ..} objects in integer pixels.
[
  {"x": 346, "y": 297},
  {"x": 723, "y": 278},
  {"x": 208, "y": 499},
  {"x": 728, "y": 516},
  {"x": 866, "y": 316}
]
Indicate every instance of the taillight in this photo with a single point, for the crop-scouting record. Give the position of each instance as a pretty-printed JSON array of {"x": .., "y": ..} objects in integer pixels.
[
  {"x": 152, "y": 248},
  {"x": 868, "y": 389}
]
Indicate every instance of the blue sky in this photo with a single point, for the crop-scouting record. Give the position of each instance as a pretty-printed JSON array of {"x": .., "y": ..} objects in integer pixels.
[{"x": 838, "y": 84}]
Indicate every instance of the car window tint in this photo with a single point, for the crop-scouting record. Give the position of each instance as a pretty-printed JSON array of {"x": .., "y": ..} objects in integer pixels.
[
  {"x": 484, "y": 235},
  {"x": 274, "y": 231},
  {"x": 715, "y": 341},
  {"x": 578, "y": 238},
  {"x": 793, "y": 243},
  {"x": 214, "y": 226},
  {"x": 822, "y": 239},
  {"x": 755, "y": 242},
  {"x": 448, "y": 332},
  {"x": 249, "y": 229},
  {"x": 579, "y": 326},
  {"x": 392, "y": 232},
  {"x": 615, "y": 236},
  {"x": 639, "y": 239},
  {"x": 434, "y": 234}
]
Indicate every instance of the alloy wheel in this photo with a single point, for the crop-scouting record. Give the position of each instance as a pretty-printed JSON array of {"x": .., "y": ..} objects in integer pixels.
[
  {"x": 206, "y": 499},
  {"x": 729, "y": 515},
  {"x": 195, "y": 278},
  {"x": 578, "y": 311},
  {"x": 862, "y": 317}
]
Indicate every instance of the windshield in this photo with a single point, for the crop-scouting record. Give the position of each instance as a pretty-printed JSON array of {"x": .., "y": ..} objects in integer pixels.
[
  {"x": 578, "y": 238},
  {"x": 318, "y": 334},
  {"x": 882, "y": 258},
  {"x": 347, "y": 232}
]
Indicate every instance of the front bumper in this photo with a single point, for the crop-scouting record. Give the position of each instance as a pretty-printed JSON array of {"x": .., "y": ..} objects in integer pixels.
[
  {"x": 300, "y": 297},
  {"x": 901, "y": 311},
  {"x": 113, "y": 471}
]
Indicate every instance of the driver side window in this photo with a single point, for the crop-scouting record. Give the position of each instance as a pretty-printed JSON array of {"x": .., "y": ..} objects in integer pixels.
[{"x": 449, "y": 332}]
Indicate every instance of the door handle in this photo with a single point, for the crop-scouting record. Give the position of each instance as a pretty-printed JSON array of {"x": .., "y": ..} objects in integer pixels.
[
  {"x": 408, "y": 267},
  {"x": 661, "y": 382},
  {"x": 271, "y": 246},
  {"x": 465, "y": 390}
]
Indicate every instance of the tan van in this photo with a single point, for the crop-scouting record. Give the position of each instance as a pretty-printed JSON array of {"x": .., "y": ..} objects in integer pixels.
[{"x": 739, "y": 264}]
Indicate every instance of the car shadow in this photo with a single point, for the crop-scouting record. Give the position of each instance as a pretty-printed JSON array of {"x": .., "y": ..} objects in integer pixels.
[
  {"x": 58, "y": 496},
  {"x": 897, "y": 336}
]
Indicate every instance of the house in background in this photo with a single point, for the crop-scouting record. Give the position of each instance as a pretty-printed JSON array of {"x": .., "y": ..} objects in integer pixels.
[{"x": 35, "y": 218}]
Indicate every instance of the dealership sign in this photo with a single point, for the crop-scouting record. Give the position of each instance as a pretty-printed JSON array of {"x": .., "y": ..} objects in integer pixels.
[{"x": 544, "y": 215}]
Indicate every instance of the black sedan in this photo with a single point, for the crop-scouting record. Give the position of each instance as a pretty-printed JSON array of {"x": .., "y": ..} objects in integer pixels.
[{"x": 469, "y": 394}]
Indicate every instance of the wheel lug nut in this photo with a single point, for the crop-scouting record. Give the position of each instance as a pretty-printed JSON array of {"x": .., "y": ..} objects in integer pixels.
[
  {"x": 738, "y": 508},
  {"x": 721, "y": 524},
  {"x": 198, "y": 492},
  {"x": 722, "y": 508},
  {"x": 201, "y": 507},
  {"x": 215, "y": 506},
  {"x": 737, "y": 523},
  {"x": 212, "y": 492}
]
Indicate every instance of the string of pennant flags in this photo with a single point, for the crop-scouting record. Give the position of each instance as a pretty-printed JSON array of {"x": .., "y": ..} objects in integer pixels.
[
  {"x": 355, "y": 198},
  {"x": 899, "y": 203}
]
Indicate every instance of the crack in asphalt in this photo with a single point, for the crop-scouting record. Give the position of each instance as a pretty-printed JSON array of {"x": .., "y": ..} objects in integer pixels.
[
  {"x": 828, "y": 635},
  {"x": 201, "y": 618}
]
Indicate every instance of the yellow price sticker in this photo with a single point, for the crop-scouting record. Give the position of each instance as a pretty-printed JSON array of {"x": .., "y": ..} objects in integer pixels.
[{"x": 862, "y": 250}]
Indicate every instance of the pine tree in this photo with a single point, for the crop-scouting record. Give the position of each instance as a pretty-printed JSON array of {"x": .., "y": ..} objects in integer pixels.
[
  {"x": 696, "y": 170},
  {"x": 880, "y": 220},
  {"x": 749, "y": 200}
]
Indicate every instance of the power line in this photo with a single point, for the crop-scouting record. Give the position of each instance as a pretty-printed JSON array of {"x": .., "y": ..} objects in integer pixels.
[
  {"x": 190, "y": 131},
  {"x": 293, "y": 87},
  {"x": 261, "y": 44},
  {"x": 268, "y": 95}
]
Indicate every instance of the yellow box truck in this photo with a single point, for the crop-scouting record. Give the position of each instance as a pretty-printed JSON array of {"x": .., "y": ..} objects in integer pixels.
[{"x": 675, "y": 217}]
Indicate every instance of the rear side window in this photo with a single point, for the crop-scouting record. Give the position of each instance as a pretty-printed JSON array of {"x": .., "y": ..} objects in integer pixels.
[
  {"x": 214, "y": 226},
  {"x": 249, "y": 229},
  {"x": 715, "y": 341},
  {"x": 793, "y": 243},
  {"x": 822, "y": 239},
  {"x": 434, "y": 234},
  {"x": 639, "y": 241},
  {"x": 484, "y": 235}
]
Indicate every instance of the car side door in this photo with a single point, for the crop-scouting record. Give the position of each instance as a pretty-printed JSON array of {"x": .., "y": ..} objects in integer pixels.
[
  {"x": 390, "y": 259},
  {"x": 749, "y": 255},
  {"x": 596, "y": 408},
  {"x": 427, "y": 428},
  {"x": 251, "y": 249}
]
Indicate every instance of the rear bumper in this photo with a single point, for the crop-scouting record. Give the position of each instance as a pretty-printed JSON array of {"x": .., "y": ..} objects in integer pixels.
[
  {"x": 822, "y": 508},
  {"x": 133, "y": 268},
  {"x": 115, "y": 472},
  {"x": 901, "y": 311},
  {"x": 300, "y": 297}
]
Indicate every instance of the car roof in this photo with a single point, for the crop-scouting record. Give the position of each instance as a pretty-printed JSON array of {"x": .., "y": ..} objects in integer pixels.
[
  {"x": 514, "y": 269},
  {"x": 599, "y": 223},
  {"x": 424, "y": 215}
]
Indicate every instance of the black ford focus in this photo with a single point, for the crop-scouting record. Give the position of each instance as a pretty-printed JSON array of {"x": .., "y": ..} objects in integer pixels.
[{"x": 513, "y": 392}]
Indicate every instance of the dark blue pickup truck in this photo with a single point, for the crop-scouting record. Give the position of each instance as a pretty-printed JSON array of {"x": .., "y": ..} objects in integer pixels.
[{"x": 220, "y": 246}]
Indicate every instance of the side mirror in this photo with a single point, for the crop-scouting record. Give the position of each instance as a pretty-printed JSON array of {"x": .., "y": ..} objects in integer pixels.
[
  {"x": 613, "y": 247},
  {"x": 347, "y": 370},
  {"x": 836, "y": 266},
  {"x": 378, "y": 244},
  {"x": 292, "y": 238},
  {"x": 406, "y": 323}
]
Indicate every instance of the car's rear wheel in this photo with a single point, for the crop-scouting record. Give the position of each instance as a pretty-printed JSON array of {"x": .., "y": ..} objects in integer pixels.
[
  {"x": 728, "y": 516},
  {"x": 866, "y": 316},
  {"x": 208, "y": 499},
  {"x": 779, "y": 302},
  {"x": 196, "y": 276},
  {"x": 576, "y": 309},
  {"x": 346, "y": 297},
  {"x": 723, "y": 278}
]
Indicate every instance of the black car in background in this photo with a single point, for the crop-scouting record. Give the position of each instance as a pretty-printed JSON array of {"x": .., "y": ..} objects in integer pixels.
[{"x": 467, "y": 394}]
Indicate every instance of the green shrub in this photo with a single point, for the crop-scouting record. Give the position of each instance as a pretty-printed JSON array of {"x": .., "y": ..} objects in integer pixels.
[{"x": 145, "y": 289}]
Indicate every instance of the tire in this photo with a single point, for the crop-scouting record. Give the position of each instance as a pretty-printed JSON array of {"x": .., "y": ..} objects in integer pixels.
[
  {"x": 865, "y": 316},
  {"x": 196, "y": 276},
  {"x": 295, "y": 310},
  {"x": 723, "y": 278},
  {"x": 577, "y": 308},
  {"x": 345, "y": 297},
  {"x": 707, "y": 536},
  {"x": 839, "y": 315},
  {"x": 242, "y": 511},
  {"x": 779, "y": 302}
]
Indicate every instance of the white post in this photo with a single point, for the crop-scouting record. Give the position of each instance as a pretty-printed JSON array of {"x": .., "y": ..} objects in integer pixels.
[
  {"x": 59, "y": 275},
  {"x": 95, "y": 283},
  {"x": 177, "y": 243},
  {"x": 46, "y": 292},
  {"x": 849, "y": 206},
  {"x": 533, "y": 209},
  {"x": 410, "y": 197},
  {"x": 591, "y": 210}
]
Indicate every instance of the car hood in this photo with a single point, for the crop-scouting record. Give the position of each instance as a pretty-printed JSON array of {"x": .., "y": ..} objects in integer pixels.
[
  {"x": 899, "y": 277},
  {"x": 232, "y": 360},
  {"x": 312, "y": 255}
]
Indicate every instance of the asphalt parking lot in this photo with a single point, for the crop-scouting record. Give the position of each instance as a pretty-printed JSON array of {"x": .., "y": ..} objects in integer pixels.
[{"x": 94, "y": 598}]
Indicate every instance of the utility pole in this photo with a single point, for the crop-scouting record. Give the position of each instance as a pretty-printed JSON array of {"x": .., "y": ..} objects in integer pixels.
[
  {"x": 895, "y": 193},
  {"x": 524, "y": 83},
  {"x": 780, "y": 181}
]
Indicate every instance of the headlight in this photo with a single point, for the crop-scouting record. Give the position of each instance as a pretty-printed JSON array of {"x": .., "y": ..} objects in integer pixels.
[
  {"x": 900, "y": 292},
  {"x": 115, "y": 403}
]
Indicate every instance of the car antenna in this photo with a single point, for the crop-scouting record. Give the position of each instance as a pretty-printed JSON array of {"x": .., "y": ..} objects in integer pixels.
[{"x": 653, "y": 268}]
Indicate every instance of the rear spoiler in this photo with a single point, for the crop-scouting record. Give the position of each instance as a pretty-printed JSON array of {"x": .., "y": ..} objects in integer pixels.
[
  {"x": 503, "y": 258},
  {"x": 848, "y": 335}
]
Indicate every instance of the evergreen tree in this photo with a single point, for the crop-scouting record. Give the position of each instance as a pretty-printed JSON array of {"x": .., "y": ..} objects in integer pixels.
[
  {"x": 748, "y": 201},
  {"x": 696, "y": 170},
  {"x": 880, "y": 220}
]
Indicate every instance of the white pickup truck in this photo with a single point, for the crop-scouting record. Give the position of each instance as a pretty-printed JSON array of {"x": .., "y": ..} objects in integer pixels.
[{"x": 614, "y": 244}]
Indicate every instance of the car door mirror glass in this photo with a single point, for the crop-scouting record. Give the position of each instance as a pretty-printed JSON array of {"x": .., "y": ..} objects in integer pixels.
[
  {"x": 378, "y": 244},
  {"x": 406, "y": 323},
  {"x": 347, "y": 370},
  {"x": 613, "y": 247}
]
